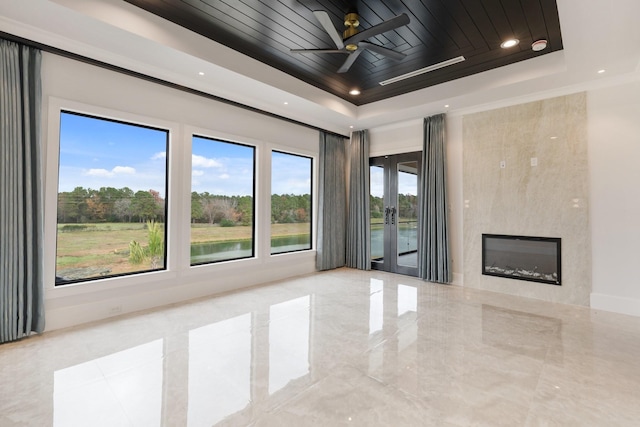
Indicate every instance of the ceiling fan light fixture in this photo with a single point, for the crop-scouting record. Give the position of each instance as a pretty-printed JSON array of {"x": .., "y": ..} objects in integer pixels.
[
  {"x": 423, "y": 70},
  {"x": 351, "y": 20}
]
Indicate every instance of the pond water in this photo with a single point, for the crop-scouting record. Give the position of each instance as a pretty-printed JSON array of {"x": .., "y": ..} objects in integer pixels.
[
  {"x": 283, "y": 244},
  {"x": 407, "y": 239},
  {"x": 223, "y": 251}
]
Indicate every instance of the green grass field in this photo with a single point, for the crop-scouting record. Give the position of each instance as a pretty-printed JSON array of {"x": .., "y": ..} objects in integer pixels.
[{"x": 106, "y": 245}]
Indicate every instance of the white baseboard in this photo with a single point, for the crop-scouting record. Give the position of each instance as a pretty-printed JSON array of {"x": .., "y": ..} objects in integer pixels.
[{"x": 623, "y": 305}]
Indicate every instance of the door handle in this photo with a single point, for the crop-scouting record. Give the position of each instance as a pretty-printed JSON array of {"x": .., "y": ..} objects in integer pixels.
[
  {"x": 386, "y": 215},
  {"x": 393, "y": 215}
]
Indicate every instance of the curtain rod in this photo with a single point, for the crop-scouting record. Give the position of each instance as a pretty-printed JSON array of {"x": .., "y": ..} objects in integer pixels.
[{"x": 166, "y": 83}]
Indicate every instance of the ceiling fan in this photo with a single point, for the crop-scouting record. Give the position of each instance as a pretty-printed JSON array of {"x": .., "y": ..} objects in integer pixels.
[{"x": 353, "y": 41}]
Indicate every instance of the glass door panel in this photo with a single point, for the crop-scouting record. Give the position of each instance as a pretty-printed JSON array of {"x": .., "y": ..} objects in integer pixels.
[
  {"x": 394, "y": 212},
  {"x": 377, "y": 212},
  {"x": 407, "y": 214}
]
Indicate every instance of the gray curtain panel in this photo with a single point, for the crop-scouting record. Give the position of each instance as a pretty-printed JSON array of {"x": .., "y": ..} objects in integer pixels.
[
  {"x": 21, "y": 221},
  {"x": 332, "y": 202},
  {"x": 358, "y": 223},
  {"x": 434, "y": 263}
]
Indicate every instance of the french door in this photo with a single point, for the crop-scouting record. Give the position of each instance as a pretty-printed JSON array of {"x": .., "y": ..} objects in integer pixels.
[{"x": 395, "y": 182}]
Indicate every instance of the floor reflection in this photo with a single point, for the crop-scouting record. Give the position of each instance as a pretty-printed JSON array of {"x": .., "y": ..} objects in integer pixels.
[
  {"x": 376, "y": 306},
  {"x": 219, "y": 370},
  {"x": 112, "y": 390},
  {"x": 288, "y": 342},
  {"x": 519, "y": 332},
  {"x": 338, "y": 348},
  {"x": 407, "y": 299}
]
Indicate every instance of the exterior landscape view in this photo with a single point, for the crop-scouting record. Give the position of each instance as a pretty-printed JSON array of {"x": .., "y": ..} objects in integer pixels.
[{"x": 112, "y": 200}]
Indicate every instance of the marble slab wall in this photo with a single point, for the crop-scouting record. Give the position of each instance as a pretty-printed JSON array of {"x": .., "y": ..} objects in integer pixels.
[{"x": 525, "y": 173}]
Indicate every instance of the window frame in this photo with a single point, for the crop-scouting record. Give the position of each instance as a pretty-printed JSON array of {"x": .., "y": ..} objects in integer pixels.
[
  {"x": 147, "y": 280},
  {"x": 312, "y": 196},
  {"x": 254, "y": 188},
  {"x": 166, "y": 193}
]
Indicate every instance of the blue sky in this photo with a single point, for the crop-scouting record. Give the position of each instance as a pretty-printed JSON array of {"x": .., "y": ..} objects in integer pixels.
[
  {"x": 376, "y": 182},
  {"x": 290, "y": 174},
  {"x": 221, "y": 167},
  {"x": 407, "y": 183},
  {"x": 98, "y": 153},
  {"x": 226, "y": 168}
]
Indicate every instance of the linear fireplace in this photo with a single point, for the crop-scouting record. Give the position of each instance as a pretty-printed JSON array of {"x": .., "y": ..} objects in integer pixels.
[{"x": 536, "y": 259}]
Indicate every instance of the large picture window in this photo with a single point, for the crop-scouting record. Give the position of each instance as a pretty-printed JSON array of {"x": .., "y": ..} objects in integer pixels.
[
  {"x": 112, "y": 188},
  {"x": 290, "y": 202},
  {"x": 222, "y": 200}
]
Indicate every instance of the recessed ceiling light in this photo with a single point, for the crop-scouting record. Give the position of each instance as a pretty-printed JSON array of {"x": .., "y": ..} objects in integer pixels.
[
  {"x": 601, "y": 71},
  {"x": 286, "y": 103},
  {"x": 354, "y": 92},
  {"x": 509, "y": 43},
  {"x": 351, "y": 127},
  {"x": 446, "y": 106},
  {"x": 554, "y": 137},
  {"x": 201, "y": 73}
]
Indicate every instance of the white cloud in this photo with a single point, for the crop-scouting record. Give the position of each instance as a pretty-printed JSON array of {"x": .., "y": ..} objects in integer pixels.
[
  {"x": 160, "y": 155},
  {"x": 118, "y": 170},
  {"x": 98, "y": 172},
  {"x": 123, "y": 169},
  {"x": 197, "y": 173},
  {"x": 203, "y": 162},
  {"x": 224, "y": 176}
]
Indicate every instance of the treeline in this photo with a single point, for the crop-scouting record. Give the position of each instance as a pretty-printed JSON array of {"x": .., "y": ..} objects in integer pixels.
[
  {"x": 108, "y": 204},
  {"x": 229, "y": 210},
  {"x": 407, "y": 206}
]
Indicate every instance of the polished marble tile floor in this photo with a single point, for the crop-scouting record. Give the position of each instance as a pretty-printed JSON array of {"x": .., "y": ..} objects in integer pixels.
[{"x": 339, "y": 348}]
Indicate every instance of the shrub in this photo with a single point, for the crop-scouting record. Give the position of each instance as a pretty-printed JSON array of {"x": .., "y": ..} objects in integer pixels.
[
  {"x": 153, "y": 252},
  {"x": 136, "y": 253},
  {"x": 156, "y": 247},
  {"x": 227, "y": 223}
]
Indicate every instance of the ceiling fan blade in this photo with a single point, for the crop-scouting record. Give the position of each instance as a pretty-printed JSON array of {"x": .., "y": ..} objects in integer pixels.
[
  {"x": 325, "y": 21},
  {"x": 350, "y": 60},
  {"x": 383, "y": 27},
  {"x": 318, "y": 51},
  {"x": 398, "y": 56}
]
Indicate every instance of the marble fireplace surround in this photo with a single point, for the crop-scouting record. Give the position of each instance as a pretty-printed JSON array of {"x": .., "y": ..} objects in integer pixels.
[{"x": 525, "y": 173}]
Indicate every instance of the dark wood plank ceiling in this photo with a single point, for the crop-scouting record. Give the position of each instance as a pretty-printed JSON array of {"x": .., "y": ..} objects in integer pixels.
[{"x": 439, "y": 30}]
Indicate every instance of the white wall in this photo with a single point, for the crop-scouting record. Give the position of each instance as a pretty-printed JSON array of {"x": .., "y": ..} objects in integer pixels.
[
  {"x": 614, "y": 168},
  {"x": 613, "y": 145},
  {"x": 85, "y": 88}
]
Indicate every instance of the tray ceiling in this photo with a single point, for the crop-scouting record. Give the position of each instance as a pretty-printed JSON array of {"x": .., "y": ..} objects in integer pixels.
[{"x": 439, "y": 30}]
